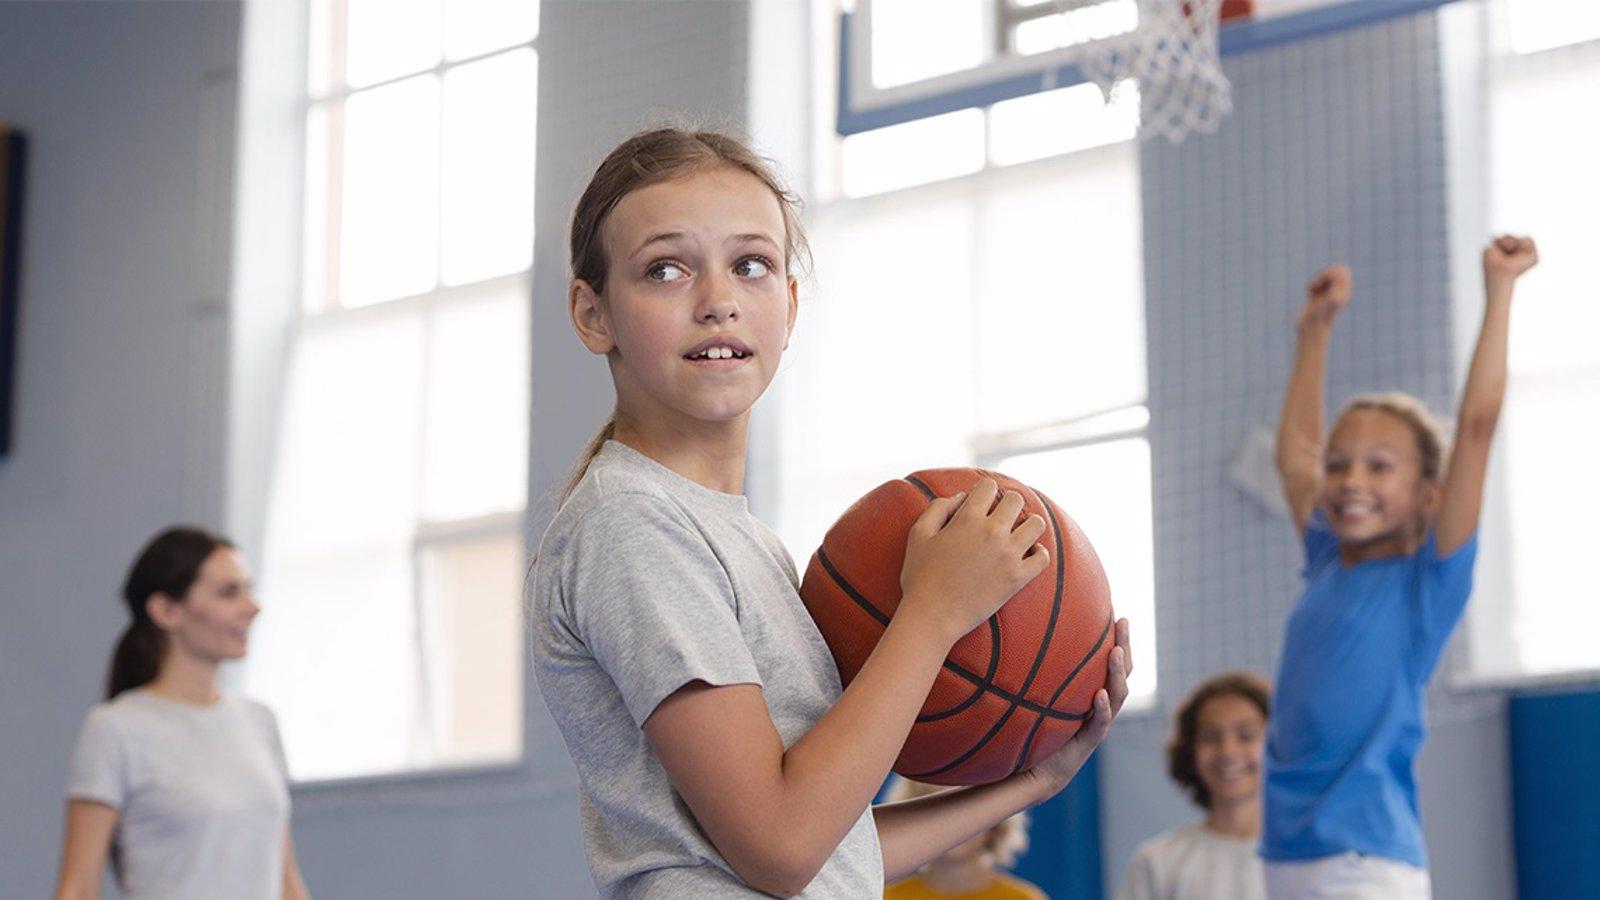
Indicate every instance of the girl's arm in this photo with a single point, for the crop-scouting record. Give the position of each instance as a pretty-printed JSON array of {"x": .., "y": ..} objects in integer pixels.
[
  {"x": 918, "y": 831},
  {"x": 84, "y": 849},
  {"x": 294, "y": 887},
  {"x": 776, "y": 815},
  {"x": 1300, "y": 427},
  {"x": 1504, "y": 260}
]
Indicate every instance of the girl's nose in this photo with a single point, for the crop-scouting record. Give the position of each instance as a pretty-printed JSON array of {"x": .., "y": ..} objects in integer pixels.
[{"x": 717, "y": 303}]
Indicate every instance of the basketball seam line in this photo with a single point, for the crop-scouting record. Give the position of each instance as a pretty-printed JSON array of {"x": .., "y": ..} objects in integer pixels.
[
  {"x": 1038, "y": 723},
  {"x": 994, "y": 642},
  {"x": 955, "y": 669},
  {"x": 1038, "y": 659}
]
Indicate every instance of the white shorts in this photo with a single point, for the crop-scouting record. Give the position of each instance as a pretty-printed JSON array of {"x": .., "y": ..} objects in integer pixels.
[{"x": 1348, "y": 876}]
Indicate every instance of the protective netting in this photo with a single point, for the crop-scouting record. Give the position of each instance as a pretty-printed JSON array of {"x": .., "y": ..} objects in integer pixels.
[{"x": 1172, "y": 58}]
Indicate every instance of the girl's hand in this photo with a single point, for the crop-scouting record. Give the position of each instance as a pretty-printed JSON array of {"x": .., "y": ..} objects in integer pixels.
[
  {"x": 1055, "y": 770},
  {"x": 1508, "y": 256},
  {"x": 964, "y": 559},
  {"x": 1326, "y": 296}
]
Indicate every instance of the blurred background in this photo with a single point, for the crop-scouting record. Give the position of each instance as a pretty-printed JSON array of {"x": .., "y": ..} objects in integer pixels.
[{"x": 296, "y": 270}]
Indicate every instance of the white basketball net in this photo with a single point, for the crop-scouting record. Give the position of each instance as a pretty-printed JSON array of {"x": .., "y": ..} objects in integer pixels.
[{"x": 1172, "y": 57}]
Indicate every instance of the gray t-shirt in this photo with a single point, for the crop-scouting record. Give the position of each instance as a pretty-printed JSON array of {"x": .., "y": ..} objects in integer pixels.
[
  {"x": 201, "y": 794},
  {"x": 647, "y": 581}
]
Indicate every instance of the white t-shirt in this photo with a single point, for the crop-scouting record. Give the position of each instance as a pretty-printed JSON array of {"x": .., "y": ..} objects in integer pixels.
[
  {"x": 1194, "y": 863},
  {"x": 201, "y": 794}
]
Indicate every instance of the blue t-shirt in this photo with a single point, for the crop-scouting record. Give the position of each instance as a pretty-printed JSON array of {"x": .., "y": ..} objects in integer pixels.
[{"x": 1347, "y": 718}]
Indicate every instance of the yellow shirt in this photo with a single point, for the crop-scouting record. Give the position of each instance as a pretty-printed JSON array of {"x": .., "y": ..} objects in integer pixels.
[{"x": 1003, "y": 887}]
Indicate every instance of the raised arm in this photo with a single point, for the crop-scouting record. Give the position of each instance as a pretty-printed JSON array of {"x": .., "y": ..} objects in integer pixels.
[
  {"x": 777, "y": 814},
  {"x": 1504, "y": 260},
  {"x": 84, "y": 849},
  {"x": 1300, "y": 427}
]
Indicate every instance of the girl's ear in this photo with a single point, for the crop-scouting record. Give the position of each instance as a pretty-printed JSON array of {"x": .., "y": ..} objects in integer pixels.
[
  {"x": 794, "y": 310},
  {"x": 589, "y": 318}
]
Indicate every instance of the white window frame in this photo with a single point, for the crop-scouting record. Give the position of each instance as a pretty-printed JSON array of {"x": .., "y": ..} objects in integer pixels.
[
  {"x": 1496, "y": 568},
  {"x": 320, "y": 310}
]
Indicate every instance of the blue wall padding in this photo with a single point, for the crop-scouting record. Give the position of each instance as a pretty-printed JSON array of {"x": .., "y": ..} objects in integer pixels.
[
  {"x": 1555, "y": 794},
  {"x": 1063, "y": 857}
]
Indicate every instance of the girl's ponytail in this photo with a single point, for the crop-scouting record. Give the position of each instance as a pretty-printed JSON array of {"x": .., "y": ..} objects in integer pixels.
[{"x": 590, "y": 451}]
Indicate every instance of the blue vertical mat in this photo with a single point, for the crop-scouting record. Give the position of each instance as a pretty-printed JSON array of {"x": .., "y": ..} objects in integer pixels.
[
  {"x": 1555, "y": 794},
  {"x": 1063, "y": 856}
]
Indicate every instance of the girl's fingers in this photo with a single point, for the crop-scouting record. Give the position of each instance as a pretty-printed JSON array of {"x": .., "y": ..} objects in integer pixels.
[
  {"x": 938, "y": 513},
  {"x": 1125, "y": 641}
]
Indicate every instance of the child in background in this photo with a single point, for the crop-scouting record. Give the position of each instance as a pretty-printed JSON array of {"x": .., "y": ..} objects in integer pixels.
[
  {"x": 969, "y": 871},
  {"x": 717, "y": 755},
  {"x": 1214, "y": 754},
  {"x": 1390, "y": 532}
]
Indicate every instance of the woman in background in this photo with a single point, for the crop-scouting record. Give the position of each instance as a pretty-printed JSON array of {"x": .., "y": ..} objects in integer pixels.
[{"x": 183, "y": 786}]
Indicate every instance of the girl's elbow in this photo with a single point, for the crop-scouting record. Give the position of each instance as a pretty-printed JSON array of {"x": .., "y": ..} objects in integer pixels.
[{"x": 778, "y": 869}]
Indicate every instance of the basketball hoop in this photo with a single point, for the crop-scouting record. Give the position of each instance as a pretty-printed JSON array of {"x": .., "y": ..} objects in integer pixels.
[{"x": 1172, "y": 57}]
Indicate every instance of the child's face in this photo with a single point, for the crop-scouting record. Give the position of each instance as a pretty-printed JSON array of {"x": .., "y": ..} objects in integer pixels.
[
  {"x": 696, "y": 264},
  {"x": 1373, "y": 492},
  {"x": 1228, "y": 740}
]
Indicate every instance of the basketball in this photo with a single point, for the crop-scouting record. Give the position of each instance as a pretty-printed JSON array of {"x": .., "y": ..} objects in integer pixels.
[{"x": 1012, "y": 691}]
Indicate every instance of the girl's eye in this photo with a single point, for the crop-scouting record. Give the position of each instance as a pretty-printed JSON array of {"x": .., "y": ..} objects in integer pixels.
[
  {"x": 1334, "y": 465},
  {"x": 665, "y": 271},
  {"x": 753, "y": 267},
  {"x": 1379, "y": 466}
]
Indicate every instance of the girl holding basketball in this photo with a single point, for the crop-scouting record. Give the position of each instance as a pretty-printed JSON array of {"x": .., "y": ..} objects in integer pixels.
[
  {"x": 1390, "y": 533},
  {"x": 716, "y": 754}
]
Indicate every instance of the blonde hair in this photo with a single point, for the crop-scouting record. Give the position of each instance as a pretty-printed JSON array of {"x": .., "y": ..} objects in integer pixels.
[
  {"x": 1007, "y": 840},
  {"x": 1432, "y": 444},
  {"x": 647, "y": 158}
]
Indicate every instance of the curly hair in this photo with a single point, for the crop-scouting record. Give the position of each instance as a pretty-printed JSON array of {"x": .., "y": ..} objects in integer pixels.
[
  {"x": 1186, "y": 725},
  {"x": 1007, "y": 840}
]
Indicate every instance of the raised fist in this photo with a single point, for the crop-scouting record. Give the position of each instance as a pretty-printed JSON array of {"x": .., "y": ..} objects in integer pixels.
[
  {"x": 1508, "y": 256},
  {"x": 1326, "y": 296}
]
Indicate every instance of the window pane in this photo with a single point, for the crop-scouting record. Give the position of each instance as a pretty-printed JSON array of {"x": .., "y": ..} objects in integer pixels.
[
  {"x": 1060, "y": 321},
  {"x": 488, "y": 167},
  {"x": 1061, "y": 121},
  {"x": 1091, "y": 23},
  {"x": 472, "y": 27},
  {"x": 1552, "y": 428},
  {"x": 877, "y": 381},
  {"x": 917, "y": 39},
  {"x": 389, "y": 235},
  {"x": 476, "y": 446},
  {"x": 1105, "y": 488},
  {"x": 337, "y": 573},
  {"x": 917, "y": 152},
  {"x": 472, "y": 596},
  {"x": 391, "y": 38},
  {"x": 334, "y": 653},
  {"x": 1544, "y": 150},
  {"x": 1542, "y": 24},
  {"x": 322, "y": 123}
]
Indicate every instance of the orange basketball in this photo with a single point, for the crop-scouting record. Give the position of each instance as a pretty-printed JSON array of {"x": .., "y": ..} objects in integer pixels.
[{"x": 1013, "y": 690}]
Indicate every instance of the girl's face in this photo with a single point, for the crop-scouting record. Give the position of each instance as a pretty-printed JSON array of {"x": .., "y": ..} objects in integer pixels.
[
  {"x": 698, "y": 305},
  {"x": 212, "y": 622},
  {"x": 1229, "y": 736},
  {"x": 1373, "y": 492}
]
